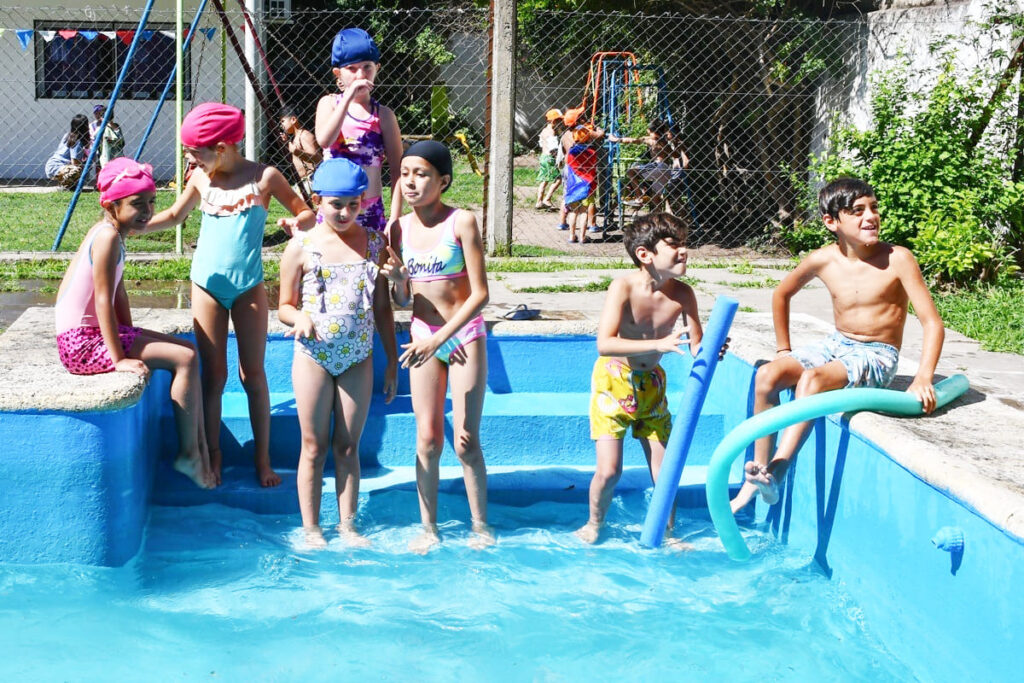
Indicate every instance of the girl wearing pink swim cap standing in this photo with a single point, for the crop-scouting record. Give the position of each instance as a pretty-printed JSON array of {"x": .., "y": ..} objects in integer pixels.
[
  {"x": 94, "y": 321},
  {"x": 227, "y": 267},
  {"x": 352, "y": 125}
]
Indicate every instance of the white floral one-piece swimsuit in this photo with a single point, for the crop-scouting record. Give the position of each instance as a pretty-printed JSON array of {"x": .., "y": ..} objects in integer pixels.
[{"x": 339, "y": 299}]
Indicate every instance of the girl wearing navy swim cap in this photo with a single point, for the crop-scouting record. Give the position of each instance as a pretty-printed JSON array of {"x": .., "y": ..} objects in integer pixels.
[
  {"x": 436, "y": 263},
  {"x": 334, "y": 297},
  {"x": 352, "y": 125}
]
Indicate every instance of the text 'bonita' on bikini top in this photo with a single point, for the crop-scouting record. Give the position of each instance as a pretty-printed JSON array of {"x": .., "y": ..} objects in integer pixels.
[{"x": 443, "y": 261}]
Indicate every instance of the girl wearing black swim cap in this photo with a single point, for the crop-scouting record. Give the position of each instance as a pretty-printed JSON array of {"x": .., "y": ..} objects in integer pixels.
[{"x": 436, "y": 263}]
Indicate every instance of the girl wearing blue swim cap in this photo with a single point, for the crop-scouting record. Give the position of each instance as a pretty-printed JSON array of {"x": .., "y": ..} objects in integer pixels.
[
  {"x": 436, "y": 263},
  {"x": 352, "y": 125},
  {"x": 334, "y": 297}
]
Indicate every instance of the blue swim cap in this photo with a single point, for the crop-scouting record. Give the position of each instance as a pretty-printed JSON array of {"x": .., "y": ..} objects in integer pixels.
[
  {"x": 353, "y": 45},
  {"x": 339, "y": 177}
]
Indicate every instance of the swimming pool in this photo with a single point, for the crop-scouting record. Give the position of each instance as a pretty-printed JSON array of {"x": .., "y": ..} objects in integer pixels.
[
  {"x": 223, "y": 593},
  {"x": 856, "y": 591}
]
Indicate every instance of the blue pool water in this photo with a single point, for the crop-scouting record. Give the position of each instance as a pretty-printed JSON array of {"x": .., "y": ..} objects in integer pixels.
[{"x": 221, "y": 593}]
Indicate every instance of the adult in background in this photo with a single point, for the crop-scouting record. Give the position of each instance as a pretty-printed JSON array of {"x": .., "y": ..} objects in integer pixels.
[{"x": 65, "y": 164}]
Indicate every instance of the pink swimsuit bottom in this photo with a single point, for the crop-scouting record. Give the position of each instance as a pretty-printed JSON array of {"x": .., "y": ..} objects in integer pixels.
[
  {"x": 83, "y": 352},
  {"x": 474, "y": 329}
]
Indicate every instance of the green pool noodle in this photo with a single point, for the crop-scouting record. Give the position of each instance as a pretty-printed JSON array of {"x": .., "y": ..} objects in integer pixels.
[{"x": 800, "y": 410}]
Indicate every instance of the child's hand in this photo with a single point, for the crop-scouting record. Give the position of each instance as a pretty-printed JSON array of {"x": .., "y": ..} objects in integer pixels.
[
  {"x": 925, "y": 393},
  {"x": 419, "y": 351},
  {"x": 289, "y": 225},
  {"x": 390, "y": 381},
  {"x": 674, "y": 342},
  {"x": 360, "y": 85},
  {"x": 394, "y": 270},
  {"x": 303, "y": 328},
  {"x": 133, "y": 365}
]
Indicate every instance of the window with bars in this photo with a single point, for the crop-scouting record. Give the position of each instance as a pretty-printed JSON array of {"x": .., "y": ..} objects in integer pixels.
[
  {"x": 83, "y": 61},
  {"x": 278, "y": 10}
]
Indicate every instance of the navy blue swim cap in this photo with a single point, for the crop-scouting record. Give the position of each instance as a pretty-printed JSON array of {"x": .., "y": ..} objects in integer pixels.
[
  {"x": 339, "y": 177},
  {"x": 353, "y": 45},
  {"x": 435, "y": 153}
]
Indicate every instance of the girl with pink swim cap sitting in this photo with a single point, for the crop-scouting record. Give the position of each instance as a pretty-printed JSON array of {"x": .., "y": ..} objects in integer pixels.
[
  {"x": 352, "y": 125},
  {"x": 227, "y": 267},
  {"x": 94, "y": 321}
]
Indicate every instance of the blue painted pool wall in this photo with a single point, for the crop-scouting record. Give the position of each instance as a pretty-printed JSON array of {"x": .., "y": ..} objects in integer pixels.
[
  {"x": 880, "y": 549},
  {"x": 76, "y": 485},
  {"x": 538, "y": 392}
]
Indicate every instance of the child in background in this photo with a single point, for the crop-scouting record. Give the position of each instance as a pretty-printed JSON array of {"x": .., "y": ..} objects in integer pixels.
[
  {"x": 113, "y": 141},
  {"x": 353, "y": 125},
  {"x": 580, "y": 198},
  {"x": 331, "y": 285},
  {"x": 548, "y": 176},
  {"x": 94, "y": 321},
  {"x": 227, "y": 267},
  {"x": 437, "y": 263},
  {"x": 871, "y": 283},
  {"x": 636, "y": 329},
  {"x": 648, "y": 181},
  {"x": 94, "y": 140},
  {"x": 302, "y": 146}
]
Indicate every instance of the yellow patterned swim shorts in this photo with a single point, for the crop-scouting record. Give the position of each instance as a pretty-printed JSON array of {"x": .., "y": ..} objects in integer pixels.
[{"x": 621, "y": 397}]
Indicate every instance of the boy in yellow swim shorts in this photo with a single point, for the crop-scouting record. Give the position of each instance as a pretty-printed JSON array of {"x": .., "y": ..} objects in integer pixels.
[{"x": 637, "y": 327}]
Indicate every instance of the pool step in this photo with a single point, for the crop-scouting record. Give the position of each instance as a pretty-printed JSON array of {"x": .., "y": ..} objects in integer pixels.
[
  {"x": 521, "y": 428},
  {"x": 505, "y": 484}
]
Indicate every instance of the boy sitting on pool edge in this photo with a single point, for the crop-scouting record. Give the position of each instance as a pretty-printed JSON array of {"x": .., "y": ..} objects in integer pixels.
[
  {"x": 636, "y": 328},
  {"x": 871, "y": 283}
]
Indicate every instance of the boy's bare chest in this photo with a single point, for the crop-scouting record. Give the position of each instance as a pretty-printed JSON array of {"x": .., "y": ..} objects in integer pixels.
[
  {"x": 862, "y": 285},
  {"x": 646, "y": 317}
]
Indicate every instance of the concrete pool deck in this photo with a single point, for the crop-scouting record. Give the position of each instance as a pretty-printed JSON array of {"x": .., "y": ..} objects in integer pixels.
[{"x": 971, "y": 451}]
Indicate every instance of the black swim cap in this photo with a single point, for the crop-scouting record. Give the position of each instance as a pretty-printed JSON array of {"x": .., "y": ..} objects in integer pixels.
[{"x": 434, "y": 152}]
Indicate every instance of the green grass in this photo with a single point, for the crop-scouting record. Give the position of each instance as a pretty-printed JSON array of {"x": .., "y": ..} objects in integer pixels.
[
  {"x": 29, "y": 220},
  {"x": 598, "y": 286},
  {"x": 742, "y": 268},
  {"x": 747, "y": 309},
  {"x": 994, "y": 316},
  {"x": 766, "y": 283},
  {"x": 513, "y": 265}
]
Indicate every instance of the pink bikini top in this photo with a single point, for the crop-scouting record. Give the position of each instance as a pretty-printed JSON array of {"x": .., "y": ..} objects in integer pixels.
[
  {"x": 444, "y": 261},
  {"x": 359, "y": 140},
  {"x": 77, "y": 305}
]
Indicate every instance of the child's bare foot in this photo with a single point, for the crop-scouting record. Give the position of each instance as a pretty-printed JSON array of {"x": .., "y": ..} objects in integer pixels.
[
  {"x": 589, "y": 532},
  {"x": 192, "y": 467},
  {"x": 215, "y": 462},
  {"x": 426, "y": 541},
  {"x": 760, "y": 477},
  {"x": 678, "y": 544},
  {"x": 347, "y": 530},
  {"x": 266, "y": 474},
  {"x": 747, "y": 491},
  {"x": 314, "y": 537},
  {"x": 483, "y": 536}
]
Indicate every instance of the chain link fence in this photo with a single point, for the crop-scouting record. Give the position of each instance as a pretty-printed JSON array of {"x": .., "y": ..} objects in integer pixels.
[{"x": 744, "y": 102}]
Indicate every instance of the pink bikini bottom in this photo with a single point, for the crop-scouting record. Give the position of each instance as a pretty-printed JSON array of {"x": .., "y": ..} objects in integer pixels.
[{"x": 474, "y": 329}]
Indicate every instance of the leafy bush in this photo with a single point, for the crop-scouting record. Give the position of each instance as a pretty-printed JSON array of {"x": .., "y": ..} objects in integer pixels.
[{"x": 955, "y": 204}]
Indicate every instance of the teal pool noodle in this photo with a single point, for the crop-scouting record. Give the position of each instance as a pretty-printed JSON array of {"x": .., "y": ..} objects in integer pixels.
[
  {"x": 801, "y": 410},
  {"x": 685, "y": 423}
]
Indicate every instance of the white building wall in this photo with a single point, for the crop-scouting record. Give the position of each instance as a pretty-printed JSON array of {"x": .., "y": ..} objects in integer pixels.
[{"x": 32, "y": 128}]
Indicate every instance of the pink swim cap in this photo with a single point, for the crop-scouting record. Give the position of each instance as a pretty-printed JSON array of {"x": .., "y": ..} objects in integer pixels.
[
  {"x": 210, "y": 123},
  {"x": 122, "y": 177}
]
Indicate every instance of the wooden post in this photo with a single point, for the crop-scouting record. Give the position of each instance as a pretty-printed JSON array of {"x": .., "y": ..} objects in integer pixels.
[{"x": 502, "y": 88}]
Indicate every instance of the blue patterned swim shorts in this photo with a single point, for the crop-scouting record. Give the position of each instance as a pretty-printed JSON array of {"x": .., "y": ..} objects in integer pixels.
[{"x": 868, "y": 364}]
